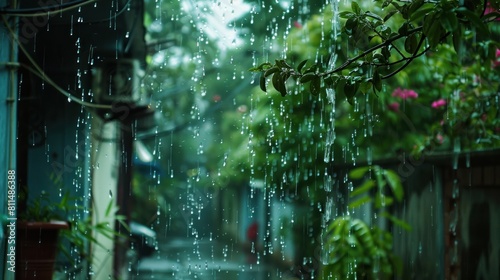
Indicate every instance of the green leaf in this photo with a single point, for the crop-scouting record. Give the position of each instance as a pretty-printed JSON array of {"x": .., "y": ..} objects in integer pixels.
[
  {"x": 279, "y": 84},
  {"x": 365, "y": 187},
  {"x": 307, "y": 77},
  {"x": 350, "y": 89},
  {"x": 433, "y": 30},
  {"x": 389, "y": 15},
  {"x": 338, "y": 225},
  {"x": 458, "y": 39},
  {"x": 420, "y": 13},
  {"x": 330, "y": 81},
  {"x": 363, "y": 233},
  {"x": 351, "y": 24},
  {"x": 373, "y": 15},
  {"x": 403, "y": 30},
  {"x": 449, "y": 21},
  {"x": 311, "y": 69},
  {"x": 339, "y": 88},
  {"x": 382, "y": 200},
  {"x": 346, "y": 14},
  {"x": 280, "y": 63},
  {"x": 377, "y": 80},
  {"x": 414, "y": 6},
  {"x": 271, "y": 71},
  {"x": 262, "y": 67},
  {"x": 301, "y": 65},
  {"x": 262, "y": 83},
  {"x": 411, "y": 43},
  {"x": 315, "y": 85},
  {"x": 108, "y": 208},
  {"x": 360, "y": 201},
  {"x": 379, "y": 177},
  {"x": 358, "y": 173},
  {"x": 395, "y": 183},
  {"x": 355, "y": 8}
]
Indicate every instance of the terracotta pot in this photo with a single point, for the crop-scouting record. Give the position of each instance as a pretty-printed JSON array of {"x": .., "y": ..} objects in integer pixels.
[{"x": 37, "y": 249}]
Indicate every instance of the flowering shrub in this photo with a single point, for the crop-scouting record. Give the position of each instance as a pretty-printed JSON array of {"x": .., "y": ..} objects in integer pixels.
[
  {"x": 440, "y": 63},
  {"x": 404, "y": 93}
]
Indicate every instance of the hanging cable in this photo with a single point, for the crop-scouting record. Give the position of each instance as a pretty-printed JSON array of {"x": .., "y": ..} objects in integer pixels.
[
  {"x": 47, "y": 10},
  {"x": 37, "y": 70},
  {"x": 48, "y": 13}
]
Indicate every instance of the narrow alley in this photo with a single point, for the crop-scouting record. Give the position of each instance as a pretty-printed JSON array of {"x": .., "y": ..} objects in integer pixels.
[{"x": 187, "y": 258}]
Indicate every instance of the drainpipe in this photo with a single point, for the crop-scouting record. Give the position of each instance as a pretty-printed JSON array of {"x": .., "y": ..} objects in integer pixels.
[
  {"x": 8, "y": 120},
  {"x": 124, "y": 192}
]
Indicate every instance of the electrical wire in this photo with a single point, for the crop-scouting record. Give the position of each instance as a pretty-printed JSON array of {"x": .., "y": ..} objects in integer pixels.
[
  {"x": 40, "y": 73},
  {"x": 46, "y": 11}
]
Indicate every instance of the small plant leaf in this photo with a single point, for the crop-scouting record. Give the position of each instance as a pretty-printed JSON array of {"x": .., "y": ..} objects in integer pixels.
[
  {"x": 360, "y": 201},
  {"x": 301, "y": 65},
  {"x": 279, "y": 84},
  {"x": 395, "y": 183},
  {"x": 411, "y": 43},
  {"x": 271, "y": 71},
  {"x": 355, "y": 8},
  {"x": 262, "y": 83},
  {"x": 315, "y": 85},
  {"x": 377, "y": 80},
  {"x": 358, "y": 173},
  {"x": 363, "y": 188},
  {"x": 307, "y": 77}
]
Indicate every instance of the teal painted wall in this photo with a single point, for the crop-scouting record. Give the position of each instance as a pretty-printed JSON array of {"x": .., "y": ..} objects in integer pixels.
[{"x": 8, "y": 105}]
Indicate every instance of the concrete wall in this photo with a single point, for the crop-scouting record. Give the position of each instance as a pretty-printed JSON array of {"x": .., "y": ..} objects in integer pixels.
[{"x": 105, "y": 167}]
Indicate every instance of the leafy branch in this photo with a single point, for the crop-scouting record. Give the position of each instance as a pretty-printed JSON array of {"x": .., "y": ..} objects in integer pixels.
[{"x": 382, "y": 52}]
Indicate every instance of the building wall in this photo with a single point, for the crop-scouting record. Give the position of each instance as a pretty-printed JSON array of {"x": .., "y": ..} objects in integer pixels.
[
  {"x": 104, "y": 189},
  {"x": 472, "y": 196},
  {"x": 8, "y": 108},
  {"x": 422, "y": 248}
]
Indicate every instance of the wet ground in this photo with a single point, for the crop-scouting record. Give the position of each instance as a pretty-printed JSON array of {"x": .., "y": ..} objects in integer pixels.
[{"x": 185, "y": 258}]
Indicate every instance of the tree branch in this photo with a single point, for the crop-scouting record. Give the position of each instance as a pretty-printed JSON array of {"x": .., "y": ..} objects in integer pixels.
[{"x": 370, "y": 50}]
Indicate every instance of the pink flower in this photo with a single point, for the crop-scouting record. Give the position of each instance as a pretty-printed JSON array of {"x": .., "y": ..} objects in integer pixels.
[
  {"x": 496, "y": 63},
  {"x": 394, "y": 106},
  {"x": 438, "y": 103},
  {"x": 489, "y": 9},
  {"x": 404, "y": 93},
  {"x": 297, "y": 25},
  {"x": 440, "y": 138}
]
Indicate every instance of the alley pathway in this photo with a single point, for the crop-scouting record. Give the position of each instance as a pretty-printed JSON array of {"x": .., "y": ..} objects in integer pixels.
[{"x": 185, "y": 259}]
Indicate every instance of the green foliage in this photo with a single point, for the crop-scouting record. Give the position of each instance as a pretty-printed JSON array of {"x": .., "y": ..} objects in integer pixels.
[
  {"x": 358, "y": 251},
  {"x": 382, "y": 51},
  {"x": 355, "y": 249},
  {"x": 441, "y": 50}
]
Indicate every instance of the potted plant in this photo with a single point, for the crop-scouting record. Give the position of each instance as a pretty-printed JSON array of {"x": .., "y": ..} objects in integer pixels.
[
  {"x": 47, "y": 227},
  {"x": 38, "y": 231}
]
